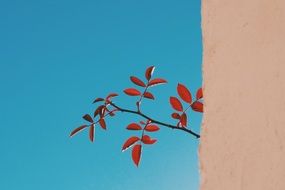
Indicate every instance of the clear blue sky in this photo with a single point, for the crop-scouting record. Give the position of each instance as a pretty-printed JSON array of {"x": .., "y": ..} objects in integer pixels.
[{"x": 56, "y": 56}]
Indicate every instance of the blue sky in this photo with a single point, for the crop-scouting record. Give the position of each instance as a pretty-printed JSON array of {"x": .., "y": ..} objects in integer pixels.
[{"x": 56, "y": 56}]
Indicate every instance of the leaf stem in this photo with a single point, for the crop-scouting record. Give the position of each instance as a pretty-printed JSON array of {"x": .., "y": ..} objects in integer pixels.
[
  {"x": 140, "y": 99},
  {"x": 109, "y": 113}
]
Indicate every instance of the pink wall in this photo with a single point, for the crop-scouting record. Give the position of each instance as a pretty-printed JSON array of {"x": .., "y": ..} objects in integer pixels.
[{"x": 243, "y": 133}]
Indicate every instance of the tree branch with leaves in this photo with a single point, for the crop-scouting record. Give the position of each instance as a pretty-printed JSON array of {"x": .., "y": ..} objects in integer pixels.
[{"x": 108, "y": 108}]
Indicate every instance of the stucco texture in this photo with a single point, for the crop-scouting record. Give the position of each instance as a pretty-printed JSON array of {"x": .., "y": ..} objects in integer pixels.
[{"x": 243, "y": 132}]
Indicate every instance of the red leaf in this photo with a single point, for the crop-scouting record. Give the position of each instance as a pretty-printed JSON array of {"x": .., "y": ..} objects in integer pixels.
[
  {"x": 147, "y": 140},
  {"x": 102, "y": 123},
  {"x": 137, "y": 81},
  {"x": 98, "y": 110},
  {"x": 111, "y": 96},
  {"x": 156, "y": 82},
  {"x": 148, "y": 95},
  {"x": 91, "y": 132},
  {"x": 87, "y": 117},
  {"x": 102, "y": 112},
  {"x": 183, "y": 120},
  {"x": 78, "y": 129},
  {"x": 199, "y": 94},
  {"x": 151, "y": 128},
  {"x": 176, "y": 104},
  {"x": 98, "y": 100},
  {"x": 184, "y": 93},
  {"x": 197, "y": 106},
  {"x": 175, "y": 116},
  {"x": 136, "y": 154},
  {"x": 132, "y": 92},
  {"x": 131, "y": 141},
  {"x": 148, "y": 72},
  {"x": 134, "y": 126}
]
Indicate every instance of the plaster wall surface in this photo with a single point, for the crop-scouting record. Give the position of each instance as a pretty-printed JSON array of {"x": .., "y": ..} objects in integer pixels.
[{"x": 243, "y": 131}]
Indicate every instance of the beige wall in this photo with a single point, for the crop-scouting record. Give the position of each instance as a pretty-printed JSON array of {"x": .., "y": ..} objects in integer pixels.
[{"x": 243, "y": 132}]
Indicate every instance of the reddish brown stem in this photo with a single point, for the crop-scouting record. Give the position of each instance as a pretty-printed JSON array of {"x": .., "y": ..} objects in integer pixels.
[{"x": 140, "y": 100}]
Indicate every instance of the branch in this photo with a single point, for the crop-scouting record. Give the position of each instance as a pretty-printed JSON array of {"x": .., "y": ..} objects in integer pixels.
[{"x": 155, "y": 121}]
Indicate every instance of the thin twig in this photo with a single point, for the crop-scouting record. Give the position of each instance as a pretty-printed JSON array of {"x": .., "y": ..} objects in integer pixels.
[{"x": 155, "y": 121}]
